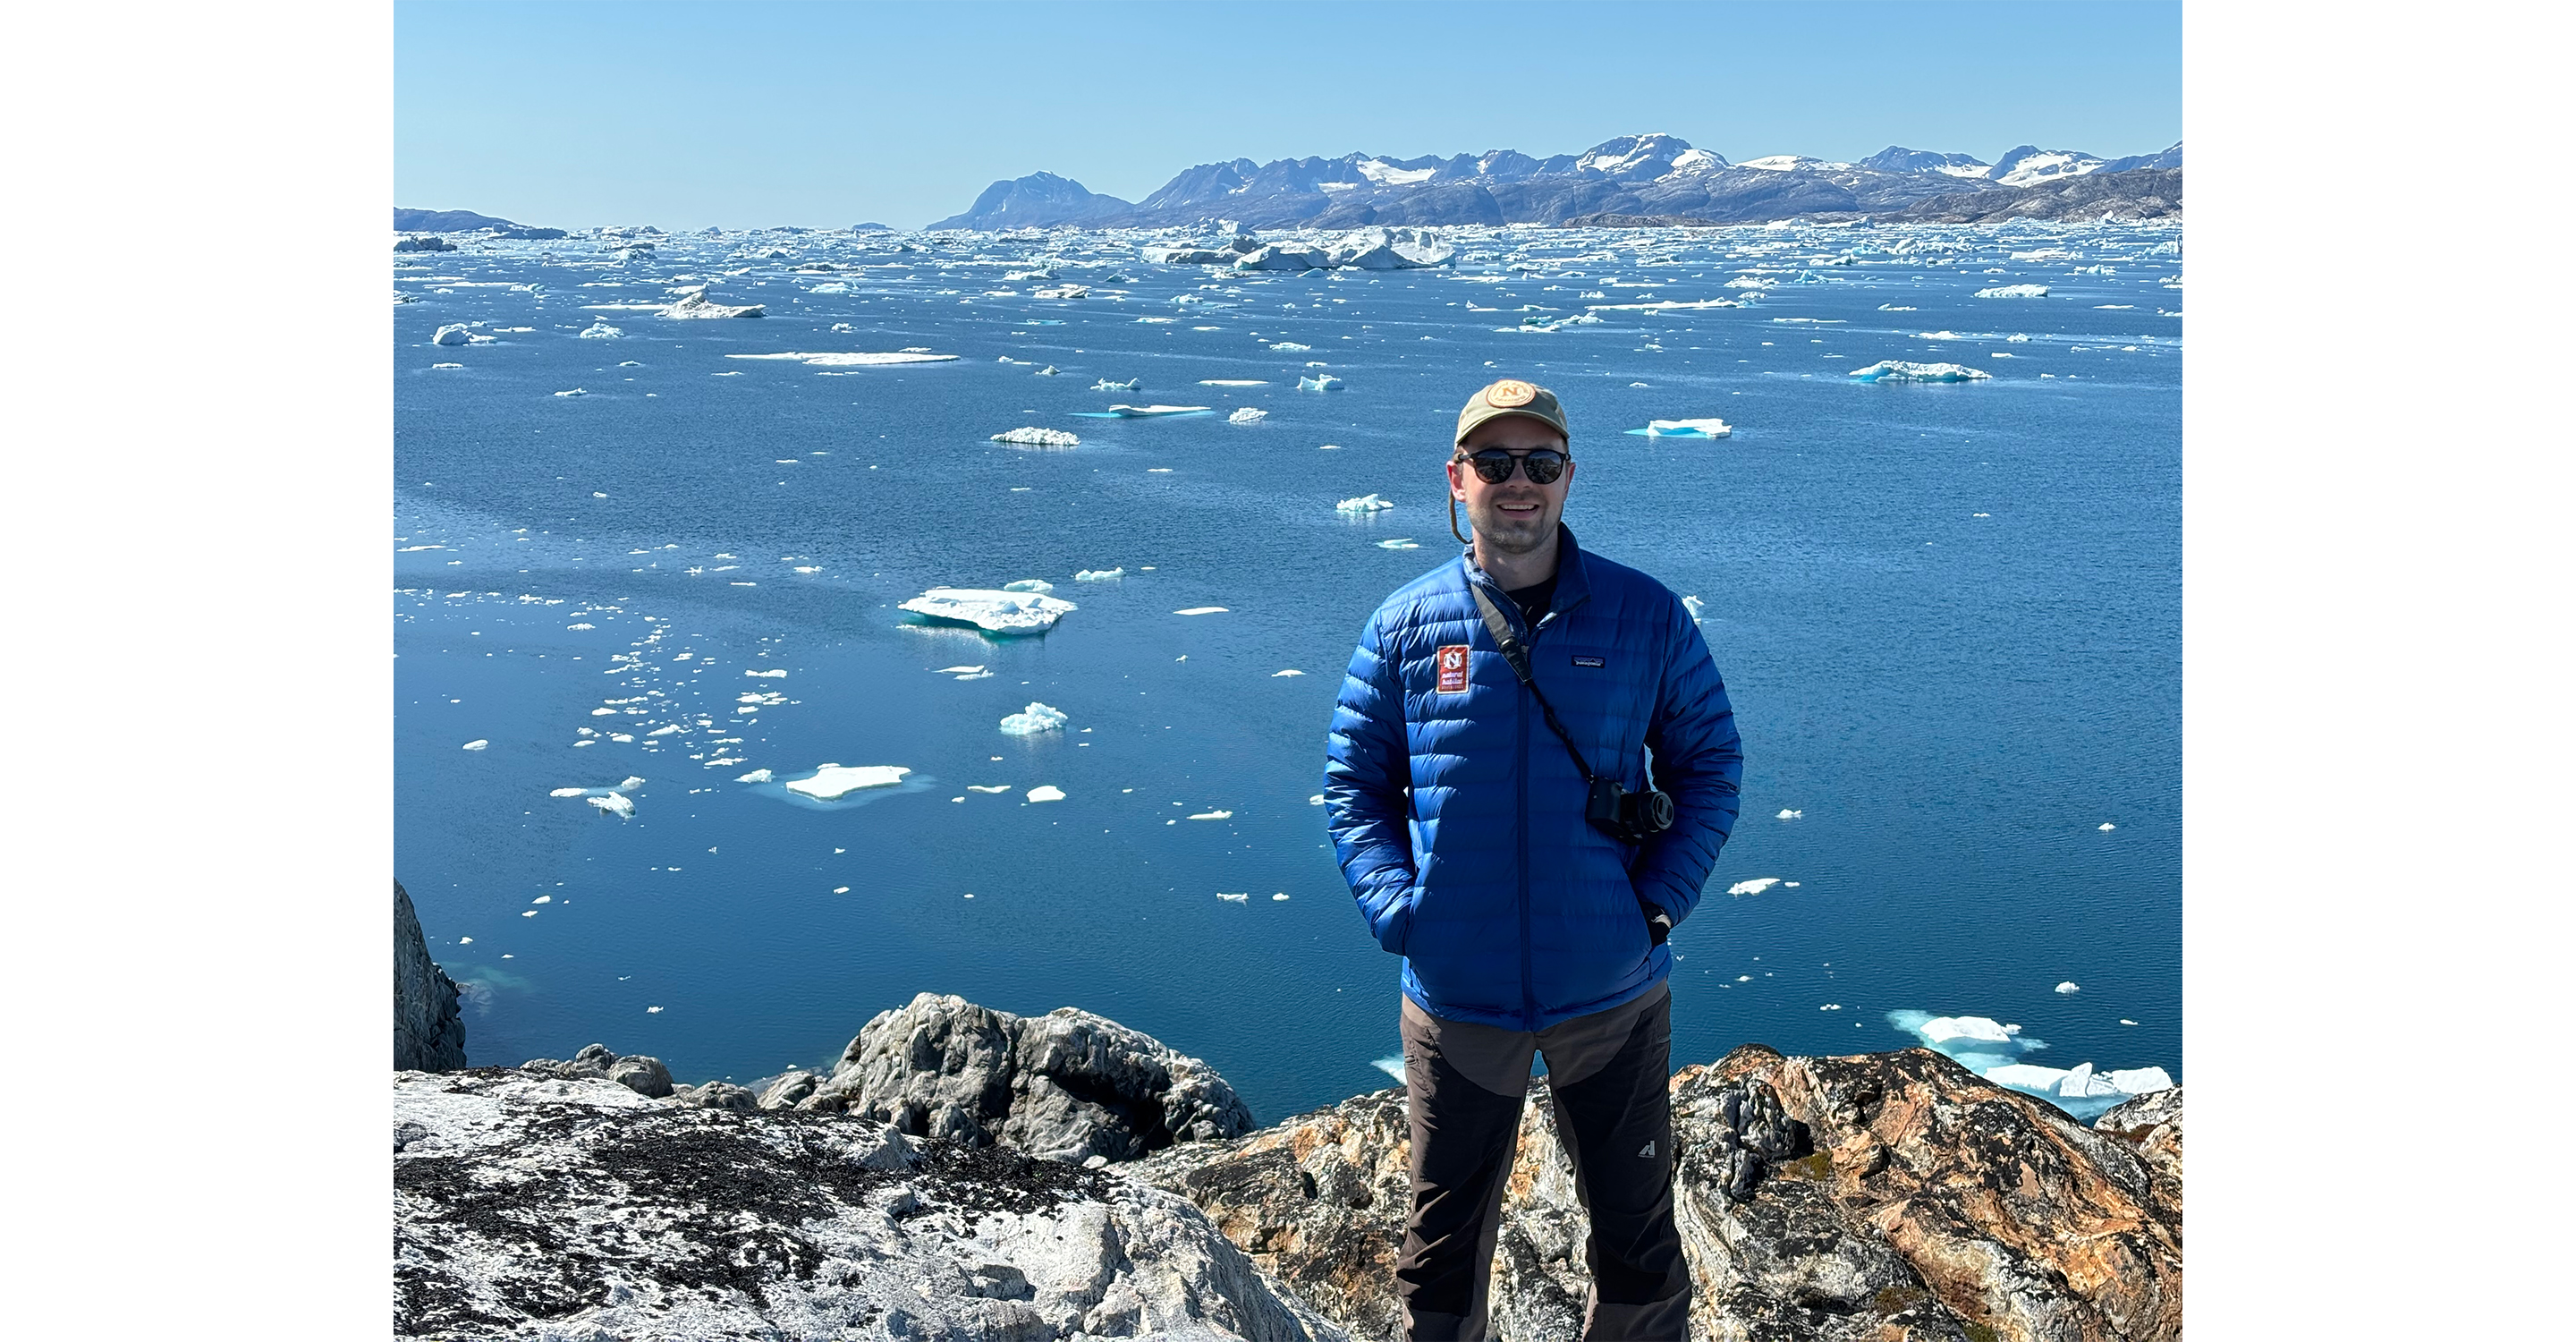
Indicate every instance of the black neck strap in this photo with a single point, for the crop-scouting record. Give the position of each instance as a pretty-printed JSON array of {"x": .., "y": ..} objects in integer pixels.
[{"x": 1518, "y": 657}]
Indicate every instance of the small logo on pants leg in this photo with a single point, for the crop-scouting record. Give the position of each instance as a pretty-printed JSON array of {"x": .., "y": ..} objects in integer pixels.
[{"x": 1647, "y": 1151}]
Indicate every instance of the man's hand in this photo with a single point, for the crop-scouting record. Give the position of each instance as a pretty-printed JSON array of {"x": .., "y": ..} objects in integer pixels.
[{"x": 1659, "y": 926}]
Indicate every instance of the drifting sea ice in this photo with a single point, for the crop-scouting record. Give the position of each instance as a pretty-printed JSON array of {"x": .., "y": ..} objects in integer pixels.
[
  {"x": 853, "y": 359},
  {"x": 601, "y": 330},
  {"x": 831, "y": 781},
  {"x": 1202, "y": 610},
  {"x": 1029, "y": 585},
  {"x": 455, "y": 333},
  {"x": 1034, "y": 719},
  {"x": 757, "y": 776},
  {"x": 1400, "y": 543},
  {"x": 1032, "y": 436},
  {"x": 1898, "y": 370},
  {"x": 773, "y": 673},
  {"x": 1213, "y": 815},
  {"x": 1687, "y": 428},
  {"x": 995, "y": 789},
  {"x": 1247, "y": 415},
  {"x": 1131, "y": 384},
  {"x": 1787, "y": 814},
  {"x": 475, "y": 745},
  {"x": 1365, "y": 503},
  {"x": 2068, "y": 988},
  {"x": 1244, "y": 897},
  {"x": 1100, "y": 574},
  {"x": 1153, "y": 411},
  {"x": 2015, "y": 291},
  {"x": 991, "y": 611},
  {"x": 1319, "y": 382},
  {"x": 574, "y": 392},
  {"x": 1046, "y": 792},
  {"x": 1753, "y": 887},
  {"x": 616, "y": 804}
]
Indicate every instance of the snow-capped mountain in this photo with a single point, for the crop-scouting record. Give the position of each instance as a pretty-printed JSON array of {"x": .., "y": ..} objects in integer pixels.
[{"x": 1654, "y": 175}]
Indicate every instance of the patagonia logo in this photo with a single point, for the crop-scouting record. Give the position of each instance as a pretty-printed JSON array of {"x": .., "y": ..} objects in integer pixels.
[
  {"x": 1452, "y": 664},
  {"x": 1591, "y": 661}
]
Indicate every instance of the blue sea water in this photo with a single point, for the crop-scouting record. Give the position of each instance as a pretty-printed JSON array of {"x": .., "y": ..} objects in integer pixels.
[{"x": 1948, "y": 617}]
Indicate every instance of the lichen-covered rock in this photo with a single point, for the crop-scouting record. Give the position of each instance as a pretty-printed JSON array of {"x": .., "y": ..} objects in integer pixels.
[
  {"x": 1066, "y": 1085},
  {"x": 1878, "y": 1197},
  {"x": 533, "y": 1206},
  {"x": 429, "y": 1035},
  {"x": 644, "y": 1075}
]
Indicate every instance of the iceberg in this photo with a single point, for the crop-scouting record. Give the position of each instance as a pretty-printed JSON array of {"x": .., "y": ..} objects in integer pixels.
[
  {"x": 1062, "y": 291},
  {"x": 1898, "y": 370},
  {"x": 2027, "y": 1076},
  {"x": 616, "y": 804},
  {"x": 1753, "y": 887},
  {"x": 1365, "y": 503},
  {"x": 1131, "y": 384},
  {"x": 991, "y": 611},
  {"x": 1034, "y": 719},
  {"x": 1392, "y": 248},
  {"x": 1400, "y": 543},
  {"x": 757, "y": 776},
  {"x": 1100, "y": 574},
  {"x": 995, "y": 789},
  {"x": 1231, "y": 382},
  {"x": 1244, "y": 897},
  {"x": 1687, "y": 428},
  {"x": 1943, "y": 1029},
  {"x": 1202, "y": 610},
  {"x": 476, "y": 745},
  {"x": 574, "y": 392},
  {"x": 831, "y": 781},
  {"x": 452, "y": 334},
  {"x": 1284, "y": 256},
  {"x": 697, "y": 305},
  {"x": 1150, "y": 411},
  {"x": 1290, "y": 347},
  {"x": 1319, "y": 382},
  {"x": 1048, "y": 371},
  {"x": 853, "y": 359},
  {"x": 1046, "y": 792},
  {"x": 2015, "y": 291},
  {"x": 1248, "y": 415},
  {"x": 2068, "y": 988},
  {"x": 1787, "y": 814},
  {"x": 601, "y": 330},
  {"x": 829, "y": 287},
  {"x": 1213, "y": 815},
  {"x": 1032, "y": 436}
]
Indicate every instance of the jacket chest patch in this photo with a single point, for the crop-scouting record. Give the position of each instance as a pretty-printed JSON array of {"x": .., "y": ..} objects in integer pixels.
[
  {"x": 1581, "y": 660},
  {"x": 1452, "y": 664}
]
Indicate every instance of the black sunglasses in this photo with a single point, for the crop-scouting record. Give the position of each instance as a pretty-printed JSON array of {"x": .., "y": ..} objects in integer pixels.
[{"x": 1494, "y": 465}]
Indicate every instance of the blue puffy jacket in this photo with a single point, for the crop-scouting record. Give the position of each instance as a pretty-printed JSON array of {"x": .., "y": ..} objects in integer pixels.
[{"x": 1458, "y": 816}]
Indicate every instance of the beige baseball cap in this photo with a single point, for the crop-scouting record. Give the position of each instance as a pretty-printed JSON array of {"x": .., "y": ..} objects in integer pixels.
[{"x": 1511, "y": 396}]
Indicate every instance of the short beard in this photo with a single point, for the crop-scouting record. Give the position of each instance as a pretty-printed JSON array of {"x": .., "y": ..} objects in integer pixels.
[{"x": 1489, "y": 526}]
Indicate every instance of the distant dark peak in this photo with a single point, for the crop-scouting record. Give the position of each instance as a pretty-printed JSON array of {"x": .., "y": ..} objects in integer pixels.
[
  {"x": 870, "y": 228},
  {"x": 1897, "y": 158},
  {"x": 464, "y": 221},
  {"x": 1038, "y": 200}
]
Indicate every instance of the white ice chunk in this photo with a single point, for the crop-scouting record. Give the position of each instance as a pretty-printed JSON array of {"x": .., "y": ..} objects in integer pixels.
[
  {"x": 1273, "y": 675},
  {"x": 1034, "y": 719},
  {"x": 616, "y": 804},
  {"x": 2027, "y": 1076},
  {"x": 1248, "y": 415},
  {"x": 1400, "y": 543},
  {"x": 1319, "y": 382},
  {"x": 1943, "y": 1029},
  {"x": 996, "y": 612},
  {"x": 1029, "y": 585},
  {"x": 568, "y": 792},
  {"x": 1151, "y": 411},
  {"x": 1244, "y": 897},
  {"x": 1365, "y": 503},
  {"x": 995, "y": 789},
  {"x": 1131, "y": 384},
  {"x": 2139, "y": 1080},
  {"x": 1033, "y": 436},
  {"x": 452, "y": 334},
  {"x": 1100, "y": 574},
  {"x": 1787, "y": 814},
  {"x": 1898, "y": 370},
  {"x": 1213, "y": 815},
  {"x": 2015, "y": 291},
  {"x": 849, "y": 359},
  {"x": 601, "y": 330},
  {"x": 2106, "y": 827},
  {"x": 475, "y": 745},
  {"x": 1202, "y": 610},
  {"x": 1046, "y": 792},
  {"x": 773, "y": 673},
  {"x": 696, "y": 305},
  {"x": 1687, "y": 428},
  {"x": 2068, "y": 988},
  {"x": 757, "y": 776},
  {"x": 960, "y": 670},
  {"x": 834, "y": 780},
  {"x": 1753, "y": 887}
]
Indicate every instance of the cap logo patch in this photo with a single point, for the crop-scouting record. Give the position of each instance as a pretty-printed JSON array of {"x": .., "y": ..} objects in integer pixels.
[
  {"x": 1510, "y": 392},
  {"x": 1452, "y": 664}
]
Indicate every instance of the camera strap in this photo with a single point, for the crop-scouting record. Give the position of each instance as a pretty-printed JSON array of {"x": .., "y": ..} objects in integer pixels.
[{"x": 1518, "y": 657}]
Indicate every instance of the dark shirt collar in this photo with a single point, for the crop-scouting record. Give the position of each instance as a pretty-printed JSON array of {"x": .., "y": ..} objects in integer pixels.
[{"x": 1571, "y": 589}]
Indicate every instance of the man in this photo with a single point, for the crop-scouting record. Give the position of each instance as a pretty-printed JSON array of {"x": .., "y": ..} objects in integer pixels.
[{"x": 1458, "y": 810}]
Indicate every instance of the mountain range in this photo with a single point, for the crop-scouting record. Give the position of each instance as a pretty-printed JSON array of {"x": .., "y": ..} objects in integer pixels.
[{"x": 1652, "y": 176}]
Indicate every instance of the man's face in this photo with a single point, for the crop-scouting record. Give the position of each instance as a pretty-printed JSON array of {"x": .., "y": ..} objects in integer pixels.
[{"x": 1514, "y": 517}]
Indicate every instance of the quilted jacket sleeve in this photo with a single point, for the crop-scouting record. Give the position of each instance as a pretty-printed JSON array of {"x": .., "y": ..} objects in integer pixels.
[
  {"x": 1700, "y": 761},
  {"x": 1366, "y": 771}
]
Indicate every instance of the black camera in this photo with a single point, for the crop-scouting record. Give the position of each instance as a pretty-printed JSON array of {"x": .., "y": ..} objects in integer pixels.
[{"x": 1629, "y": 817}]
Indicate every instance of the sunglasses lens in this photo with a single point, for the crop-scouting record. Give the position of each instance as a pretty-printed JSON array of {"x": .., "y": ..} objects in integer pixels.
[
  {"x": 1543, "y": 467},
  {"x": 1493, "y": 467}
]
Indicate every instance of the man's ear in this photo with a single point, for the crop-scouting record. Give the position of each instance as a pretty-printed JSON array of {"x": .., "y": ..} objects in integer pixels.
[{"x": 1457, "y": 487}]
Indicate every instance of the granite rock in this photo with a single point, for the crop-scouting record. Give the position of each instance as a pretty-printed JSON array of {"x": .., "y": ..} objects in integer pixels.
[{"x": 429, "y": 1035}]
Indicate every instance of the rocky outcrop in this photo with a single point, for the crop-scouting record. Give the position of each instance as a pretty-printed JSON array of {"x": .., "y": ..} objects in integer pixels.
[
  {"x": 2142, "y": 193},
  {"x": 644, "y": 1075},
  {"x": 576, "y": 1208},
  {"x": 429, "y": 1035},
  {"x": 1067, "y": 1085},
  {"x": 1882, "y": 1196}
]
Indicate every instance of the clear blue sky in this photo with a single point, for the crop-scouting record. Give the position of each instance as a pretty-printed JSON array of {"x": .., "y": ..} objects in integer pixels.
[{"x": 826, "y": 114}]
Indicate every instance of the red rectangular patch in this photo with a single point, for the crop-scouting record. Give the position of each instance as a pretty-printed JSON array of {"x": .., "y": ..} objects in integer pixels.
[{"x": 1452, "y": 661}]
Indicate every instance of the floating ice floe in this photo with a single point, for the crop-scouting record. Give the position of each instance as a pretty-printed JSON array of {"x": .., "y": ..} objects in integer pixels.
[
  {"x": 436, "y": 366},
  {"x": 1048, "y": 371},
  {"x": 1277, "y": 674},
  {"x": 1365, "y": 503},
  {"x": 1898, "y": 370},
  {"x": 1032, "y": 436},
  {"x": 1400, "y": 543},
  {"x": 995, "y": 789},
  {"x": 616, "y": 804},
  {"x": 829, "y": 287},
  {"x": 1100, "y": 574},
  {"x": 1131, "y": 384},
  {"x": 475, "y": 745},
  {"x": 1046, "y": 792},
  {"x": 1029, "y": 585},
  {"x": 1034, "y": 719},
  {"x": 574, "y": 392},
  {"x": 1392, "y": 1066},
  {"x": 773, "y": 673},
  {"x": 1991, "y": 1050},
  {"x": 455, "y": 333},
  {"x": 696, "y": 304},
  {"x": 2068, "y": 988},
  {"x": 2015, "y": 291},
  {"x": 1787, "y": 814},
  {"x": 1232, "y": 382},
  {"x": 1244, "y": 897},
  {"x": 2106, "y": 827},
  {"x": 757, "y": 776},
  {"x": 1291, "y": 347},
  {"x": 1213, "y": 815},
  {"x": 1248, "y": 415},
  {"x": 959, "y": 670},
  {"x": 1151, "y": 411},
  {"x": 851, "y": 359},
  {"x": 1753, "y": 887},
  {"x": 1685, "y": 428},
  {"x": 1694, "y": 607},
  {"x": 601, "y": 330},
  {"x": 831, "y": 781},
  {"x": 1319, "y": 382},
  {"x": 991, "y": 611},
  {"x": 1202, "y": 610}
]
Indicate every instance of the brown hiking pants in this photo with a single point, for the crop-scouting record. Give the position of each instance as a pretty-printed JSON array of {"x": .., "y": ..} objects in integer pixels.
[{"x": 1608, "y": 1078}]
